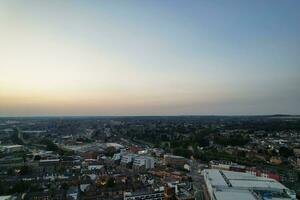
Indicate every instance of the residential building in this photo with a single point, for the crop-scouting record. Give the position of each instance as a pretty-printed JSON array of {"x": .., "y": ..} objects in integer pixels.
[{"x": 157, "y": 194}]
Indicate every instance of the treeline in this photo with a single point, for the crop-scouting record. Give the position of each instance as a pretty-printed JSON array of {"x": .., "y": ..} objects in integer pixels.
[
  {"x": 266, "y": 124},
  {"x": 51, "y": 146},
  {"x": 232, "y": 140}
]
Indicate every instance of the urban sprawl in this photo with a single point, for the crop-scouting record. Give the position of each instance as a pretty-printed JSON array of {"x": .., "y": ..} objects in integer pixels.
[{"x": 143, "y": 158}]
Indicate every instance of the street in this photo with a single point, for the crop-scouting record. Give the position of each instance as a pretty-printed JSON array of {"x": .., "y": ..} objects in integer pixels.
[{"x": 198, "y": 181}]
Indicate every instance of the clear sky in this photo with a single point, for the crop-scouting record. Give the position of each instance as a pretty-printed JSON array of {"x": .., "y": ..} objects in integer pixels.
[{"x": 152, "y": 57}]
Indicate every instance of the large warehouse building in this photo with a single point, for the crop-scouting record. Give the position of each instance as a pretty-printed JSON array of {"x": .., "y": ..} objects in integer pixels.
[{"x": 228, "y": 185}]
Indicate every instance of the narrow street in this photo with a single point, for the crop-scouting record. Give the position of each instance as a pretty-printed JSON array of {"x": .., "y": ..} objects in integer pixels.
[{"x": 198, "y": 181}]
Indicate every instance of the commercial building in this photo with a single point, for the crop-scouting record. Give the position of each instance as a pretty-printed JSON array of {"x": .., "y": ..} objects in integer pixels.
[
  {"x": 230, "y": 166},
  {"x": 128, "y": 158},
  {"x": 136, "y": 161},
  {"x": 143, "y": 162},
  {"x": 175, "y": 161},
  {"x": 228, "y": 185},
  {"x": 263, "y": 173},
  {"x": 226, "y": 165},
  {"x": 12, "y": 148},
  {"x": 48, "y": 165}
]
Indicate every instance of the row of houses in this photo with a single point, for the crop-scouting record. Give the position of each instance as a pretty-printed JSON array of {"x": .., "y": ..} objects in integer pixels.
[{"x": 288, "y": 176}]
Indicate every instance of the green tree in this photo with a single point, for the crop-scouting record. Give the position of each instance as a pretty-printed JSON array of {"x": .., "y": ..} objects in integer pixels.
[
  {"x": 110, "y": 182},
  {"x": 50, "y": 146},
  {"x": 24, "y": 170},
  {"x": 286, "y": 152},
  {"x": 20, "y": 187},
  {"x": 110, "y": 151},
  {"x": 182, "y": 152}
]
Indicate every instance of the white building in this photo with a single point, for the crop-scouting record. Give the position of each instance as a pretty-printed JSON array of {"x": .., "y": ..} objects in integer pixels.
[
  {"x": 128, "y": 158},
  {"x": 187, "y": 167},
  {"x": 95, "y": 167},
  {"x": 228, "y": 185},
  {"x": 8, "y": 197},
  {"x": 115, "y": 145},
  {"x": 157, "y": 194},
  {"x": 145, "y": 162},
  {"x": 223, "y": 165},
  {"x": 117, "y": 156},
  {"x": 13, "y": 148}
]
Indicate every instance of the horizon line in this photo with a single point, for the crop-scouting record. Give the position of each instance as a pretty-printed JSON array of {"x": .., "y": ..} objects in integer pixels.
[{"x": 179, "y": 115}]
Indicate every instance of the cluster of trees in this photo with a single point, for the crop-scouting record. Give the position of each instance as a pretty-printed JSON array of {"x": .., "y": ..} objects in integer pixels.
[
  {"x": 182, "y": 152},
  {"x": 110, "y": 151},
  {"x": 286, "y": 152},
  {"x": 15, "y": 137},
  {"x": 232, "y": 140},
  {"x": 213, "y": 154},
  {"x": 18, "y": 187},
  {"x": 51, "y": 146},
  {"x": 272, "y": 123},
  {"x": 84, "y": 140}
]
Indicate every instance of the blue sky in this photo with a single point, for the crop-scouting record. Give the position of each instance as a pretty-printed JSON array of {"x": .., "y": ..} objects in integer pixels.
[{"x": 149, "y": 57}]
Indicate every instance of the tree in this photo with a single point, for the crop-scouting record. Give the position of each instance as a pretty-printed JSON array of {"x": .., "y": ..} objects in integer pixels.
[
  {"x": 110, "y": 151},
  {"x": 15, "y": 137},
  {"x": 2, "y": 188},
  {"x": 20, "y": 187},
  {"x": 24, "y": 170},
  {"x": 233, "y": 140},
  {"x": 182, "y": 152},
  {"x": 110, "y": 182},
  {"x": 37, "y": 157},
  {"x": 50, "y": 146},
  {"x": 286, "y": 152}
]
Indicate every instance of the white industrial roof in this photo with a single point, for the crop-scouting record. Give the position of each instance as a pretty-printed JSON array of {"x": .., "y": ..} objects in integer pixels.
[
  {"x": 235, "y": 194},
  {"x": 239, "y": 175},
  {"x": 238, "y": 179},
  {"x": 95, "y": 167},
  {"x": 216, "y": 178},
  {"x": 257, "y": 184},
  {"x": 12, "y": 146},
  {"x": 8, "y": 197},
  {"x": 228, "y": 185}
]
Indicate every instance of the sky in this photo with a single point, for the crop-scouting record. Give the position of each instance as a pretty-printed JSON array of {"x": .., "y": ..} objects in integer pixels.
[{"x": 132, "y": 57}]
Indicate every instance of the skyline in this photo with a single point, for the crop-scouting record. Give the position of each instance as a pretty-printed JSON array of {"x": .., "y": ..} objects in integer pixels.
[{"x": 149, "y": 58}]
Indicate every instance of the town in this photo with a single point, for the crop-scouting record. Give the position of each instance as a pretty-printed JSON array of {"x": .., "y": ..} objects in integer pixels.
[
  {"x": 131, "y": 158},
  {"x": 150, "y": 100}
]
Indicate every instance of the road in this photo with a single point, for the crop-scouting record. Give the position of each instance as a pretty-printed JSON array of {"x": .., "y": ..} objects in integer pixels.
[{"x": 198, "y": 181}]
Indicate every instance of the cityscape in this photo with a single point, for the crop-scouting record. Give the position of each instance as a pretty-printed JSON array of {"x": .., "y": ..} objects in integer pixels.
[
  {"x": 182, "y": 157},
  {"x": 150, "y": 100}
]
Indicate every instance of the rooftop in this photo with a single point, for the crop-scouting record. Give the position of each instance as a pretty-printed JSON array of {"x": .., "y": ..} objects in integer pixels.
[
  {"x": 12, "y": 146},
  {"x": 229, "y": 185}
]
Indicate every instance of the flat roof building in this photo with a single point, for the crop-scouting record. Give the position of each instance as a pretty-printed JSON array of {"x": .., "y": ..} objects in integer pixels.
[
  {"x": 145, "y": 162},
  {"x": 174, "y": 161},
  {"x": 228, "y": 185},
  {"x": 128, "y": 158},
  {"x": 13, "y": 148},
  {"x": 157, "y": 194}
]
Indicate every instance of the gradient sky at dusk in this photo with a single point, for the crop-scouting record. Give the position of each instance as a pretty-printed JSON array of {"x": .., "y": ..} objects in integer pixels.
[{"x": 149, "y": 57}]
